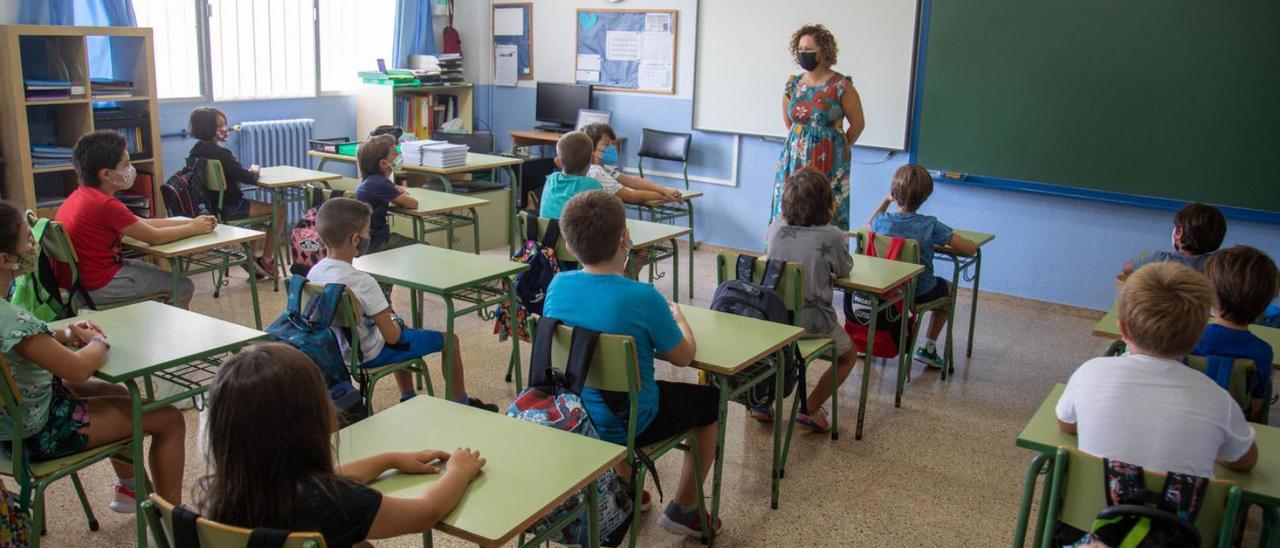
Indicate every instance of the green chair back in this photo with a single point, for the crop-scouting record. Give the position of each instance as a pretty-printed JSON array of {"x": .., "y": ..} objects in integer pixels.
[
  {"x": 562, "y": 249},
  {"x": 57, "y": 245},
  {"x": 11, "y": 398},
  {"x": 211, "y": 534},
  {"x": 346, "y": 317},
  {"x": 1079, "y": 493},
  {"x": 614, "y": 366},
  {"x": 910, "y": 249},
  {"x": 790, "y": 288},
  {"x": 1237, "y": 385}
]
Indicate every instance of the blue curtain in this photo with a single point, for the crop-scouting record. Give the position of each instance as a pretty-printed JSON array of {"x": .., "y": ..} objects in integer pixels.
[
  {"x": 415, "y": 31},
  {"x": 109, "y": 13}
]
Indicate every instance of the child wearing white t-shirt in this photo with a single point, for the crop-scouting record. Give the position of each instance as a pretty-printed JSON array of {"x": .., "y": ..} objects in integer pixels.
[
  {"x": 1146, "y": 407},
  {"x": 629, "y": 188}
]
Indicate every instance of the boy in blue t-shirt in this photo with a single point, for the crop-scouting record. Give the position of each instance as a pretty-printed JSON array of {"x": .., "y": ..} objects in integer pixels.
[
  {"x": 1246, "y": 281},
  {"x": 573, "y": 155},
  {"x": 602, "y": 298},
  {"x": 912, "y": 185}
]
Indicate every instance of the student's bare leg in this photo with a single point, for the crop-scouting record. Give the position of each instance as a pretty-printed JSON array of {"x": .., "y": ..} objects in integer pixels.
[
  {"x": 404, "y": 381},
  {"x": 259, "y": 209},
  {"x": 822, "y": 390},
  {"x": 937, "y": 319},
  {"x": 94, "y": 388},
  {"x": 110, "y": 421},
  {"x": 687, "y": 492}
]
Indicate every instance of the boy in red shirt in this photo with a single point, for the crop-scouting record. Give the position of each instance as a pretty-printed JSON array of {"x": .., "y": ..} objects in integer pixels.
[{"x": 95, "y": 221}]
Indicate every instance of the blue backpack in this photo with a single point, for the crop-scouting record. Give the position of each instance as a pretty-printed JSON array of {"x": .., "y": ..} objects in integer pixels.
[
  {"x": 310, "y": 331},
  {"x": 553, "y": 400}
]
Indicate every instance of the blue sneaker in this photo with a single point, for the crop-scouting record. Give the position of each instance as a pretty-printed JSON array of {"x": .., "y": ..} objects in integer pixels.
[{"x": 930, "y": 358}]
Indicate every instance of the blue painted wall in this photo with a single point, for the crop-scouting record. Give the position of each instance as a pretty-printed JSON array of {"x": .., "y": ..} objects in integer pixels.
[{"x": 1061, "y": 250}]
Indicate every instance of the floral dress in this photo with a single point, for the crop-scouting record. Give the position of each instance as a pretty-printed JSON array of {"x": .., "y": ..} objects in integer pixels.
[{"x": 816, "y": 140}]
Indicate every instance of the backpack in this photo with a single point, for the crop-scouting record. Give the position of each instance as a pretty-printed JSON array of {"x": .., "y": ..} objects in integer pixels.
[
  {"x": 857, "y": 311},
  {"x": 553, "y": 399},
  {"x": 15, "y": 520},
  {"x": 310, "y": 331},
  {"x": 1138, "y": 517},
  {"x": 38, "y": 292},
  {"x": 532, "y": 284},
  {"x": 305, "y": 247},
  {"x": 185, "y": 193},
  {"x": 761, "y": 301},
  {"x": 452, "y": 41}
]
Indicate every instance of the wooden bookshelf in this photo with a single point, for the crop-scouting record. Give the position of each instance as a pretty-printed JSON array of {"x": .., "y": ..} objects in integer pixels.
[
  {"x": 376, "y": 105},
  {"x": 62, "y": 53}
]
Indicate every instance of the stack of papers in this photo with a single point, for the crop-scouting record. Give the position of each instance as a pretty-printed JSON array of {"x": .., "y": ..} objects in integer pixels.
[
  {"x": 50, "y": 156},
  {"x": 429, "y": 153},
  {"x": 47, "y": 89},
  {"x": 451, "y": 68},
  {"x": 107, "y": 88}
]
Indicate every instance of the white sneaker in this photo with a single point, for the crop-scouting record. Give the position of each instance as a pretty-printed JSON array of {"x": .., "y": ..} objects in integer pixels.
[{"x": 124, "y": 501}]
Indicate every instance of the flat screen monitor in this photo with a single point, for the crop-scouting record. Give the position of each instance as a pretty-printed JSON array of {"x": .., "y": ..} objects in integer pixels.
[
  {"x": 588, "y": 116},
  {"x": 558, "y": 104}
]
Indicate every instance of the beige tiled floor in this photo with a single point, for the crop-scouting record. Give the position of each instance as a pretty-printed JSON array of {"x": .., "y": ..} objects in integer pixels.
[{"x": 940, "y": 471}]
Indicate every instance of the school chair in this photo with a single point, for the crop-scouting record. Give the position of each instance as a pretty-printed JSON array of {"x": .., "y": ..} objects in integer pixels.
[
  {"x": 791, "y": 289},
  {"x": 347, "y": 317},
  {"x": 34, "y": 478},
  {"x": 57, "y": 245},
  {"x": 665, "y": 145},
  {"x": 215, "y": 181},
  {"x": 615, "y": 368},
  {"x": 1236, "y": 373},
  {"x": 567, "y": 260},
  {"x": 159, "y": 514},
  {"x": 911, "y": 253},
  {"x": 1077, "y": 492}
]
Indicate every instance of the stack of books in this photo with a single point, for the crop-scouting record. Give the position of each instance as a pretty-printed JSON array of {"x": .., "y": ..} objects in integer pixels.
[
  {"x": 43, "y": 156},
  {"x": 41, "y": 89},
  {"x": 438, "y": 154},
  {"x": 107, "y": 88},
  {"x": 451, "y": 68}
]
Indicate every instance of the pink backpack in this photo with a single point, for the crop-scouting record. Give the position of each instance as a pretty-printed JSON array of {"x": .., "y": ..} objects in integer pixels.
[{"x": 305, "y": 247}]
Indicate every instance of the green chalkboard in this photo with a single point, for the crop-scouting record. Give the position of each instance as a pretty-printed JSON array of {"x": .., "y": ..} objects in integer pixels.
[{"x": 1175, "y": 99}]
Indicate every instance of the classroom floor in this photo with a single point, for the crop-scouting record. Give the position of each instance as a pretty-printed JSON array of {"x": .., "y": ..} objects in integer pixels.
[{"x": 940, "y": 471}]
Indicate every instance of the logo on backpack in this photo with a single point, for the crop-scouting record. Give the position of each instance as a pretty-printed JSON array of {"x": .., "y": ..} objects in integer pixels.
[
  {"x": 760, "y": 301},
  {"x": 305, "y": 247},
  {"x": 310, "y": 330},
  {"x": 889, "y": 323}
]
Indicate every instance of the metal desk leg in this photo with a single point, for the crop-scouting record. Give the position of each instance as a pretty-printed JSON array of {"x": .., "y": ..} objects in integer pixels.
[
  {"x": 175, "y": 274},
  {"x": 866, "y": 364},
  {"x": 253, "y": 284},
  {"x": 1028, "y": 492},
  {"x": 514, "y": 194},
  {"x": 675, "y": 275},
  {"x": 973, "y": 305},
  {"x": 593, "y": 515},
  {"x": 904, "y": 353},
  {"x": 140, "y": 486},
  {"x": 778, "y": 383},
  {"x": 475, "y": 231},
  {"x": 718, "y": 466},
  {"x": 450, "y": 349},
  {"x": 514, "y": 365},
  {"x": 691, "y": 246}
]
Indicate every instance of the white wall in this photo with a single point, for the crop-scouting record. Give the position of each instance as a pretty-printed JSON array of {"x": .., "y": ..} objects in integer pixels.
[{"x": 8, "y": 12}]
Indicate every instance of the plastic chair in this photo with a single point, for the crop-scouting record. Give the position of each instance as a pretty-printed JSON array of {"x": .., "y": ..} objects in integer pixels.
[
  {"x": 1077, "y": 493},
  {"x": 562, "y": 250},
  {"x": 791, "y": 289},
  {"x": 57, "y": 245},
  {"x": 34, "y": 478},
  {"x": 215, "y": 181},
  {"x": 615, "y": 368},
  {"x": 911, "y": 253},
  {"x": 1242, "y": 371},
  {"x": 347, "y": 317},
  {"x": 211, "y": 534}
]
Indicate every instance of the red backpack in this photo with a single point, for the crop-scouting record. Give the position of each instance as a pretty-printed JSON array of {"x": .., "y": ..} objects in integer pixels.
[
  {"x": 857, "y": 310},
  {"x": 452, "y": 41},
  {"x": 305, "y": 247}
]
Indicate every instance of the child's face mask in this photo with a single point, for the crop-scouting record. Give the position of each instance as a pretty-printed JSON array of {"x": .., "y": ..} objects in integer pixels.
[{"x": 609, "y": 156}]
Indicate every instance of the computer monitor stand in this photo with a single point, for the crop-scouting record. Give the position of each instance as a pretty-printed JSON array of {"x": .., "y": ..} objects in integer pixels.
[{"x": 554, "y": 128}]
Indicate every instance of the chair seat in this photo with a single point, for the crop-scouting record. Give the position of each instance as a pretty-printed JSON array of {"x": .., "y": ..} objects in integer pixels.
[
  {"x": 391, "y": 366},
  {"x": 931, "y": 305},
  {"x": 264, "y": 219},
  {"x": 655, "y": 450},
  {"x": 51, "y": 467},
  {"x": 811, "y": 347}
]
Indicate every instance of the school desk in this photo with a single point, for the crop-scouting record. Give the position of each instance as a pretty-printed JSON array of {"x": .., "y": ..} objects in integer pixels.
[
  {"x": 477, "y": 281},
  {"x": 660, "y": 240},
  {"x": 661, "y": 211},
  {"x": 540, "y": 137},
  {"x": 529, "y": 469},
  {"x": 962, "y": 263},
  {"x": 447, "y": 212},
  {"x": 1261, "y": 485},
  {"x": 726, "y": 345},
  {"x": 1109, "y": 328},
  {"x": 149, "y": 341},
  {"x": 884, "y": 282},
  {"x": 475, "y": 163},
  {"x": 213, "y": 252}
]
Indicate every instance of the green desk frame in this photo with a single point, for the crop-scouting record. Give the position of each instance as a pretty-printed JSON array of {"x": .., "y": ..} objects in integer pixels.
[
  {"x": 961, "y": 265},
  {"x": 667, "y": 213},
  {"x": 660, "y": 240},
  {"x": 441, "y": 210}
]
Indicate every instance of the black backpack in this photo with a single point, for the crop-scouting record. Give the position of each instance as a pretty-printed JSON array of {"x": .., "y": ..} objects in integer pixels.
[
  {"x": 185, "y": 193},
  {"x": 1141, "y": 517},
  {"x": 761, "y": 301},
  {"x": 532, "y": 284}
]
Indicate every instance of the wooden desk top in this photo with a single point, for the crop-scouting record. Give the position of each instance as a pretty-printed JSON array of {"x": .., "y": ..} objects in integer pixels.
[
  {"x": 222, "y": 236},
  {"x": 728, "y": 343},
  {"x": 877, "y": 275},
  {"x": 287, "y": 176},
  {"x": 434, "y": 202}
]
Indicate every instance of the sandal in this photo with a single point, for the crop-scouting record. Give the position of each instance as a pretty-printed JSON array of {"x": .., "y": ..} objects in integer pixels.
[{"x": 814, "y": 422}]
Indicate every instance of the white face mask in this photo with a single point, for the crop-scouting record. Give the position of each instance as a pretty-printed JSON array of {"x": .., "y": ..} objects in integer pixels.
[
  {"x": 129, "y": 174},
  {"x": 1173, "y": 239}
]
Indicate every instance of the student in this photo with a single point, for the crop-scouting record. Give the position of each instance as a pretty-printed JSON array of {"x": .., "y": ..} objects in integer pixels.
[
  {"x": 804, "y": 234},
  {"x": 64, "y": 411},
  {"x": 1146, "y": 407},
  {"x": 1245, "y": 281},
  {"x": 378, "y": 161},
  {"x": 95, "y": 221},
  {"x": 631, "y": 189},
  {"x": 209, "y": 125},
  {"x": 573, "y": 156},
  {"x": 343, "y": 224},
  {"x": 911, "y": 186},
  {"x": 273, "y": 463},
  {"x": 594, "y": 226},
  {"x": 1198, "y": 230}
]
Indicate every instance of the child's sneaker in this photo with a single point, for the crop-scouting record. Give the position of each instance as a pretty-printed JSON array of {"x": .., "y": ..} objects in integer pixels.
[
  {"x": 645, "y": 501},
  {"x": 813, "y": 422},
  {"x": 762, "y": 414},
  {"x": 478, "y": 404},
  {"x": 684, "y": 523},
  {"x": 124, "y": 501},
  {"x": 930, "y": 358}
]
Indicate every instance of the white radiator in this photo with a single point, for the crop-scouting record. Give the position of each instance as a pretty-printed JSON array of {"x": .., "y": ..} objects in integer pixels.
[{"x": 276, "y": 143}]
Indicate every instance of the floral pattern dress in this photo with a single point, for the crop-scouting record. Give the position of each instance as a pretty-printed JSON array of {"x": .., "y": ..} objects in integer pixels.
[{"x": 816, "y": 140}]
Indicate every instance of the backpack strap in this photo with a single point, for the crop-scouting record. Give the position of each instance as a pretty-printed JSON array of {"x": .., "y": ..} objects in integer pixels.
[
  {"x": 895, "y": 248},
  {"x": 746, "y": 267},
  {"x": 184, "y": 528},
  {"x": 530, "y": 226},
  {"x": 267, "y": 537},
  {"x": 773, "y": 274},
  {"x": 541, "y": 374},
  {"x": 553, "y": 234},
  {"x": 581, "y": 347},
  {"x": 1185, "y": 494},
  {"x": 293, "y": 304},
  {"x": 1219, "y": 369}
]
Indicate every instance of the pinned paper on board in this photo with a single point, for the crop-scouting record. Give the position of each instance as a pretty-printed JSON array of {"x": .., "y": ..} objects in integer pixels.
[
  {"x": 505, "y": 65},
  {"x": 657, "y": 22},
  {"x": 508, "y": 22},
  {"x": 655, "y": 47},
  {"x": 654, "y": 76},
  {"x": 589, "y": 76},
  {"x": 588, "y": 61},
  {"x": 627, "y": 49},
  {"x": 621, "y": 45}
]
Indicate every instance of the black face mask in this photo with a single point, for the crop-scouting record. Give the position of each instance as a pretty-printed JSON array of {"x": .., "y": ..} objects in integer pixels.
[
  {"x": 362, "y": 246},
  {"x": 808, "y": 60}
]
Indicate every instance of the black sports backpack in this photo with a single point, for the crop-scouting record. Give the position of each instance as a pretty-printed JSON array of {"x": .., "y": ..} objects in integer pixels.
[
  {"x": 185, "y": 193},
  {"x": 1141, "y": 517},
  {"x": 761, "y": 301},
  {"x": 532, "y": 284}
]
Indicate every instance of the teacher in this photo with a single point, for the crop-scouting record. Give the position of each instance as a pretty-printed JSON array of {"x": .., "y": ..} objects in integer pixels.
[{"x": 815, "y": 104}]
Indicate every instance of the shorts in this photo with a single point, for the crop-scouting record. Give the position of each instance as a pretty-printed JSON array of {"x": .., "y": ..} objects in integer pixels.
[
  {"x": 940, "y": 290},
  {"x": 393, "y": 241},
  {"x": 681, "y": 406},
  {"x": 137, "y": 280},
  {"x": 839, "y": 336},
  {"x": 236, "y": 211},
  {"x": 413, "y": 344},
  {"x": 61, "y": 435}
]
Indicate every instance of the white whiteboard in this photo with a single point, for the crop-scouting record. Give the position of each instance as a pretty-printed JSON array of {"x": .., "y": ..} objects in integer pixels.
[{"x": 743, "y": 62}]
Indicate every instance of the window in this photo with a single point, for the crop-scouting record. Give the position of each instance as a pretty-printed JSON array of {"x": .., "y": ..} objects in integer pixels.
[
  {"x": 262, "y": 49},
  {"x": 177, "y": 44},
  {"x": 353, "y": 36}
]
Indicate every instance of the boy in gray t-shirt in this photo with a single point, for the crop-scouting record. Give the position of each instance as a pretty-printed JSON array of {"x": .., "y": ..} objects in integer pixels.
[{"x": 806, "y": 236}]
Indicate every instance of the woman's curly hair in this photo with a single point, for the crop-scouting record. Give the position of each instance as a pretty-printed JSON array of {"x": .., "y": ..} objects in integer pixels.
[{"x": 827, "y": 48}]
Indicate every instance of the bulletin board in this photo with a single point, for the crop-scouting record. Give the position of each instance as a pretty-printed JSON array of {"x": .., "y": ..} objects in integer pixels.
[
  {"x": 627, "y": 50},
  {"x": 513, "y": 27}
]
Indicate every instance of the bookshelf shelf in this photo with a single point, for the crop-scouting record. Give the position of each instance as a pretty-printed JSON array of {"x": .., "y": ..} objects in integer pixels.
[{"x": 46, "y": 104}]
